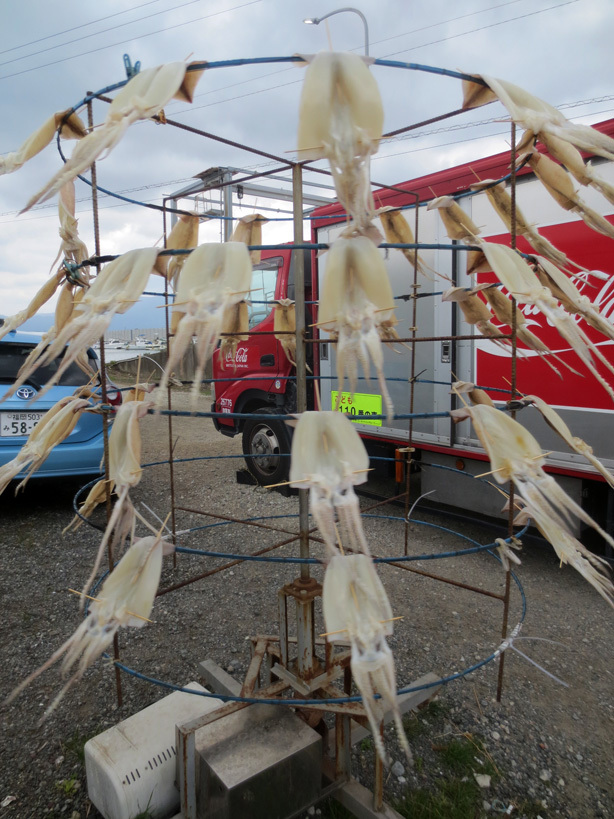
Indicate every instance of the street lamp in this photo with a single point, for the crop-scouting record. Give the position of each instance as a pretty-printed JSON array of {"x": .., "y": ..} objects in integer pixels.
[{"x": 315, "y": 21}]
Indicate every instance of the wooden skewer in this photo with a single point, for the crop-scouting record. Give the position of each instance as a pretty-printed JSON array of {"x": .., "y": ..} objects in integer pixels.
[
  {"x": 502, "y": 468},
  {"x": 305, "y": 480},
  {"x": 99, "y": 600},
  {"x": 287, "y": 483}
]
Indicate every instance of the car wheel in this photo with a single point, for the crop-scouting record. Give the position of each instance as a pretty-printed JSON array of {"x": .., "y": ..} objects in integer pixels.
[{"x": 270, "y": 441}]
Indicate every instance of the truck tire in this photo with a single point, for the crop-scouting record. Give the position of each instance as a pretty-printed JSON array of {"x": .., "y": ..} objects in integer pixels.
[{"x": 271, "y": 441}]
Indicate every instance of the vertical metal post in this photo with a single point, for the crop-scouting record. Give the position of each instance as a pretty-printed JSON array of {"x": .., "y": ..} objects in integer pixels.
[
  {"x": 171, "y": 466},
  {"x": 103, "y": 390},
  {"x": 506, "y": 599},
  {"x": 378, "y": 785},
  {"x": 298, "y": 264},
  {"x": 227, "y": 199}
]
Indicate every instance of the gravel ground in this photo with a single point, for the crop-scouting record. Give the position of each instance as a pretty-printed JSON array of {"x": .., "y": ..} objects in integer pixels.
[{"x": 550, "y": 745}]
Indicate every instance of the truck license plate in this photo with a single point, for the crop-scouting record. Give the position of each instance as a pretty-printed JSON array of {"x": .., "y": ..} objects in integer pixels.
[
  {"x": 359, "y": 407},
  {"x": 18, "y": 424}
]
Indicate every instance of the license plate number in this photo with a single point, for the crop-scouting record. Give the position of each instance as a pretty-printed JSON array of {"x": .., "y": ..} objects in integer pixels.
[
  {"x": 18, "y": 424},
  {"x": 359, "y": 407}
]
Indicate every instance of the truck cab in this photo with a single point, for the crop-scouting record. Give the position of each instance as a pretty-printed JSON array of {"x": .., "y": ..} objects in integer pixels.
[{"x": 258, "y": 379}]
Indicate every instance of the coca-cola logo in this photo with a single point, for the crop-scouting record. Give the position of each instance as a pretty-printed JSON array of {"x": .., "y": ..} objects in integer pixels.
[{"x": 240, "y": 357}]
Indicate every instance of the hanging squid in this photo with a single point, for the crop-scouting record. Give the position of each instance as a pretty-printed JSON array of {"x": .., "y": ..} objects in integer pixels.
[
  {"x": 183, "y": 236},
  {"x": 356, "y": 608},
  {"x": 329, "y": 458},
  {"x": 72, "y": 128},
  {"x": 501, "y": 201},
  {"x": 357, "y": 308},
  {"x": 249, "y": 231},
  {"x": 143, "y": 97},
  {"x": 520, "y": 281},
  {"x": 119, "y": 285},
  {"x": 398, "y": 231},
  {"x": 215, "y": 277},
  {"x": 515, "y": 455},
  {"x": 284, "y": 326},
  {"x": 125, "y": 599},
  {"x": 53, "y": 428},
  {"x": 565, "y": 291},
  {"x": 124, "y": 473},
  {"x": 555, "y": 422},
  {"x": 559, "y": 185},
  {"x": 235, "y": 328},
  {"x": 458, "y": 224},
  {"x": 535, "y": 115},
  {"x": 341, "y": 119}
]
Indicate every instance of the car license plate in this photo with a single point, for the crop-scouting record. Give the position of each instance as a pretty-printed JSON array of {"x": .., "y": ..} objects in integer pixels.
[
  {"x": 18, "y": 424},
  {"x": 359, "y": 407}
]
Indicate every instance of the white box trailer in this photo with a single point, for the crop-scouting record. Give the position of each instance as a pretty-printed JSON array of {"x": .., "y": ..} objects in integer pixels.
[{"x": 582, "y": 402}]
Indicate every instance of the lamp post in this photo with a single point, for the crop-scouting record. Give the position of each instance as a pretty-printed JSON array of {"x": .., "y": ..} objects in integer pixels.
[{"x": 315, "y": 21}]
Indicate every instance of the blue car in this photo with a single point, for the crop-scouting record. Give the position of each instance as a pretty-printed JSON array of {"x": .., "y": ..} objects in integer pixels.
[{"x": 82, "y": 451}]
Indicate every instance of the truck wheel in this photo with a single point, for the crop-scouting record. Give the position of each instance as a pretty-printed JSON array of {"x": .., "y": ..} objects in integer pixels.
[{"x": 270, "y": 440}]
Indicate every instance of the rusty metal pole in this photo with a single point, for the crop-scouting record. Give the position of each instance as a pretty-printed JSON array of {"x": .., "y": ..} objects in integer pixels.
[
  {"x": 103, "y": 389},
  {"x": 506, "y": 600},
  {"x": 304, "y": 608},
  {"x": 298, "y": 264}
]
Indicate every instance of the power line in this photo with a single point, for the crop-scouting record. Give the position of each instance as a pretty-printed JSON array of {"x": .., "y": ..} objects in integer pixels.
[
  {"x": 483, "y": 28},
  {"x": 374, "y": 42},
  {"x": 101, "y": 31},
  {"x": 414, "y": 48},
  {"x": 74, "y": 28},
  {"x": 129, "y": 40}
]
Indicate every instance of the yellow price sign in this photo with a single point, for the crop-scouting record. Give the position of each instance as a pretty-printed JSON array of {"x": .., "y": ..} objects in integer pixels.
[{"x": 359, "y": 407}]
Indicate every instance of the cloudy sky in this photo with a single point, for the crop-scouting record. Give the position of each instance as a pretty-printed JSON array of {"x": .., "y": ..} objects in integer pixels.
[{"x": 52, "y": 54}]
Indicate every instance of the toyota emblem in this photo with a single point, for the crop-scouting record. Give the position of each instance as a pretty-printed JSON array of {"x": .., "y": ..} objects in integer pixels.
[{"x": 25, "y": 393}]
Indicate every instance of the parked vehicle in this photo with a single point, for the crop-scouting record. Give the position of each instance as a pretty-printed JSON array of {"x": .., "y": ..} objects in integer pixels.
[
  {"x": 583, "y": 403},
  {"x": 81, "y": 453}
]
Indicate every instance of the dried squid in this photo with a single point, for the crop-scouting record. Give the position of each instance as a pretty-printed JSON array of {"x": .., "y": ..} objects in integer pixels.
[
  {"x": 565, "y": 291},
  {"x": 53, "y": 428},
  {"x": 559, "y": 185},
  {"x": 555, "y": 422},
  {"x": 215, "y": 277},
  {"x": 284, "y": 323},
  {"x": 329, "y": 458},
  {"x": 249, "y": 231},
  {"x": 124, "y": 473},
  {"x": 235, "y": 327},
  {"x": 520, "y": 281},
  {"x": 73, "y": 128},
  {"x": 115, "y": 290},
  {"x": 356, "y": 607},
  {"x": 126, "y": 598},
  {"x": 501, "y": 201},
  {"x": 398, "y": 231},
  {"x": 143, "y": 96},
  {"x": 341, "y": 119},
  {"x": 183, "y": 236},
  {"x": 357, "y": 308},
  {"x": 458, "y": 224},
  {"x": 536, "y": 115},
  {"x": 476, "y": 313},
  {"x": 515, "y": 455}
]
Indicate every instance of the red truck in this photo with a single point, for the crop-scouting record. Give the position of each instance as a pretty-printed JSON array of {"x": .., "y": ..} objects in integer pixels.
[{"x": 259, "y": 380}]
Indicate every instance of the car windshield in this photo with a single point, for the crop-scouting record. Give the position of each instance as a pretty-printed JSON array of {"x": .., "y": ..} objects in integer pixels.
[{"x": 12, "y": 356}]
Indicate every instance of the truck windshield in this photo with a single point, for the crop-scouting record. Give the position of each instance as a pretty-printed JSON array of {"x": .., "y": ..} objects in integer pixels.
[{"x": 264, "y": 279}]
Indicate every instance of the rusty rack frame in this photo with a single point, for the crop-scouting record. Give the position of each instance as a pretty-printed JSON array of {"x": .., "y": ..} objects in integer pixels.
[{"x": 294, "y": 662}]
